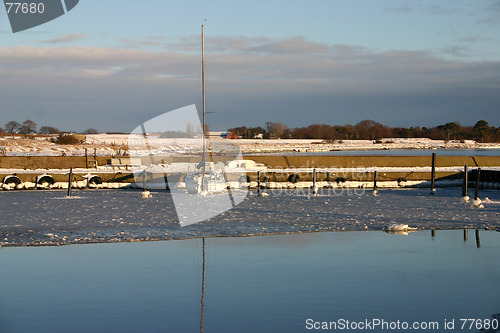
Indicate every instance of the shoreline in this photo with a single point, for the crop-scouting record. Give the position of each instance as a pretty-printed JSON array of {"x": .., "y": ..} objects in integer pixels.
[{"x": 140, "y": 240}]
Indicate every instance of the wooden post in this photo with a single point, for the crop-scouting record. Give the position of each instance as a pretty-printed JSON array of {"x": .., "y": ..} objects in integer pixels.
[
  {"x": 144, "y": 181},
  {"x": 258, "y": 182},
  {"x": 476, "y": 192},
  {"x": 465, "y": 181},
  {"x": 314, "y": 189},
  {"x": 433, "y": 174},
  {"x": 433, "y": 233},
  {"x": 70, "y": 181},
  {"x": 86, "y": 159},
  {"x": 375, "y": 174},
  {"x": 466, "y": 235},
  {"x": 478, "y": 242}
]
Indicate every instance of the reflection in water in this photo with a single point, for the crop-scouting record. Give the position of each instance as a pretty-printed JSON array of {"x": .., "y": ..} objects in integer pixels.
[
  {"x": 433, "y": 235},
  {"x": 259, "y": 284},
  {"x": 202, "y": 286}
]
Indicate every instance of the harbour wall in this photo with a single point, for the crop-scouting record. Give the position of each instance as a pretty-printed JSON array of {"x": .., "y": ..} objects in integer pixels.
[
  {"x": 274, "y": 162},
  {"x": 119, "y": 169}
]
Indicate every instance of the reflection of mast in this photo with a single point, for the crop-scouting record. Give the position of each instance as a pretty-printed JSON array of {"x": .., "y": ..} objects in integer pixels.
[
  {"x": 203, "y": 103},
  {"x": 202, "y": 287}
]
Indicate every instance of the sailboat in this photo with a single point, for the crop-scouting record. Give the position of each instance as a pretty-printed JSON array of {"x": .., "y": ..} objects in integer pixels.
[{"x": 208, "y": 179}]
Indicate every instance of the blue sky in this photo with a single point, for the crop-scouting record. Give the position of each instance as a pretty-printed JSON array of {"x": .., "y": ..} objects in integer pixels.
[{"x": 114, "y": 64}]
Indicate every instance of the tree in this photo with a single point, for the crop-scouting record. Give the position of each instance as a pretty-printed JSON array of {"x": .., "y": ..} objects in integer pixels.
[
  {"x": 91, "y": 131},
  {"x": 370, "y": 130},
  {"x": 12, "y": 127},
  {"x": 275, "y": 130},
  {"x": 28, "y": 127},
  {"x": 452, "y": 129},
  {"x": 481, "y": 130},
  {"x": 49, "y": 130}
]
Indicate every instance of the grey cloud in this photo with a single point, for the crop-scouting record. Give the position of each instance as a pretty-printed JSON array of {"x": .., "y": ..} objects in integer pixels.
[
  {"x": 241, "y": 44},
  {"x": 64, "y": 39},
  {"x": 294, "y": 45},
  {"x": 457, "y": 51},
  {"x": 280, "y": 81},
  {"x": 405, "y": 9},
  {"x": 131, "y": 43},
  {"x": 474, "y": 39}
]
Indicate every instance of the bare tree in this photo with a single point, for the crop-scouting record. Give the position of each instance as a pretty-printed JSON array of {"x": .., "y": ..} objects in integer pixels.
[
  {"x": 28, "y": 127},
  {"x": 91, "y": 131},
  {"x": 49, "y": 130},
  {"x": 275, "y": 130},
  {"x": 12, "y": 127}
]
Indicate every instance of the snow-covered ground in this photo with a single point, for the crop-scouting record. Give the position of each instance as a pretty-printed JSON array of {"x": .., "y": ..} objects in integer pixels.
[
  {"x": 117, "y": 144},
  {"x": 49, "y": 218}
]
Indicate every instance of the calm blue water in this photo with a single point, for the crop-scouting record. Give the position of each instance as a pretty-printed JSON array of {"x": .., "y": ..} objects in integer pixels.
[
  {"x": 256, "y": 284},
  {"x": 398, "y": 152}
]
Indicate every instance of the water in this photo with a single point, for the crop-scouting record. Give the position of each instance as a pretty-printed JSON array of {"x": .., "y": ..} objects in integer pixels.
[
  {"x": 396, "y": 152},
  {"x": 257, "y": 284}
]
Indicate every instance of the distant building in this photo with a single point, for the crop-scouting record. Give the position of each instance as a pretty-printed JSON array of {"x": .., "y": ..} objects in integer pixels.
[
  {"x": 258, "y": 136},
  {"x": 228, "y": 135}
]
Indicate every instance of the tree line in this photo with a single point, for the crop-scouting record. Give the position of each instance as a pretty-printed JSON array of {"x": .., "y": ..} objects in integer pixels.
[
  {"x": 371, "y": 130},
  {"x": 29, "y": 127},
  {"x": 364, "y": 130}
]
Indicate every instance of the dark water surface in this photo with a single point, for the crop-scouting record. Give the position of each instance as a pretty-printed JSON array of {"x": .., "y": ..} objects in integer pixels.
[{"x": 256, "y": 284}]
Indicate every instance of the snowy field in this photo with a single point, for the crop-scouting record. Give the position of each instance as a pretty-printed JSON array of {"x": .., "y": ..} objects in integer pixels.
[
  {"x": 49, "y": 218},
  {"x": 117, "y": 145}
]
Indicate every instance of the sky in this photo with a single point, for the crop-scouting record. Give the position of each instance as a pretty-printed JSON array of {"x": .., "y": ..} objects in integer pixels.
[{"x": 112, "y": 65}]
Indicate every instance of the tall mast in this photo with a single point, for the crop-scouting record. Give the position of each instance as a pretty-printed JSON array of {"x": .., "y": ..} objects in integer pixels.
[
  {"x": 203, "y": 75},
  {"x": 203, "y": 104}
]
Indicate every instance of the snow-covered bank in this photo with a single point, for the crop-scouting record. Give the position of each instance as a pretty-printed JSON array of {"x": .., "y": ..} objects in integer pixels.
[{"x": 117, "y": 145}]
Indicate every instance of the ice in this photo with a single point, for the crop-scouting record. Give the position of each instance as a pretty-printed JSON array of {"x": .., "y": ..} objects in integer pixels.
[{"x": 122, "y": 215}]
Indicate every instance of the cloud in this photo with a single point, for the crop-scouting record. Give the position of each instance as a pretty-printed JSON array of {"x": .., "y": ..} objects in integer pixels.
[
  {"x": 404, "y": 9},
  {"x": 457, "y": 51},
  {"x": 64, "y": 39},
  {"x": 428, "y": 8},
  {"x": 131, "y": 43},
  {"x": 249, "y": 79}
]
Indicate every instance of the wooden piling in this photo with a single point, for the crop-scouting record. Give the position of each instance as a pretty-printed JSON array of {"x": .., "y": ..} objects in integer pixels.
[
  {"x": 70, "y": 181},
  {"x": 433, "y": 233},
  {"x": 375, "y": 175},
  {"x": 466, "y": 235},
  {"x": 465, "y": 181},
  {"x": 144, "y": 181},
  {"x": 478, "y": 242},
  {"x": 476, "y": 192},
  {"x": 314, "y": 190},
  {"x": 258, "y": 182},
  {"x": 433, "y": 174}
]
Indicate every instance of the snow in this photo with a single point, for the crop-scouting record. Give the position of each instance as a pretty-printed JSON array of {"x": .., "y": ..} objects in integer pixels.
[
  {"x": 117, "y": 144},
  {"x": 117, "y": 216}
]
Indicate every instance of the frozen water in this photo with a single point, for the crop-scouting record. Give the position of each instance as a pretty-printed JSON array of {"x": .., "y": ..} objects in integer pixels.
[{"x": 122, "y": 215}]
